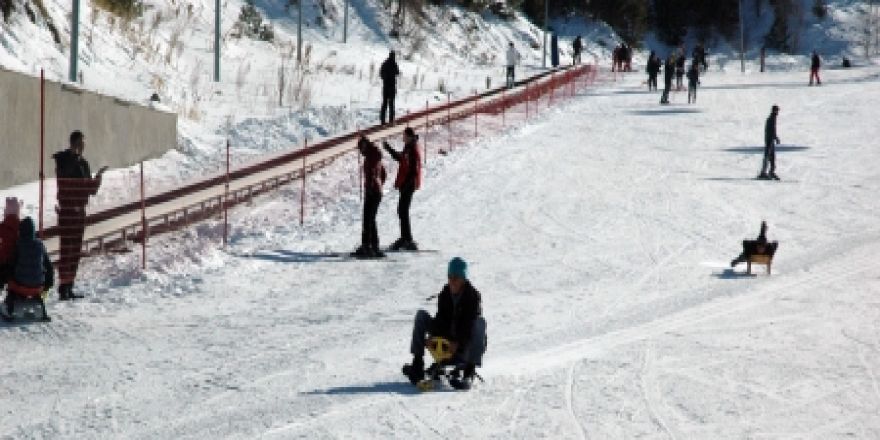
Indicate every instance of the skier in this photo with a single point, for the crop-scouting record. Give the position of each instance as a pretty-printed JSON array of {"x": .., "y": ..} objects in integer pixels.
[
  {"x": 75, "y": 186},
  {"x": 653, "y": 69},
  {"x": 8, "y": 237},
  {"x": 693, "y": 76},
  {"x": 668, "y": 72},
  {"x": 389, "y": 73},
  {"x": 554, "y": 50},
  {"x": 679, "y": 70},
  {"x": 815, "y": 64},
  {"x": 32, "y": 270},
  {"x": 577, "y": 47},
  {"x": 748, "y": 246},
  {"x": 770, "y": 142},
  {"x": 512, "y": 58},
  {"x": 459, "y": 319},
  {"x": 409, "y": 179},
  {"x": 374, "y": 179}
]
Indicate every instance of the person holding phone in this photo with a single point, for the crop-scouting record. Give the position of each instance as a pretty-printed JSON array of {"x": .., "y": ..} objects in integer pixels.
[{"x": 75, "y": 186}]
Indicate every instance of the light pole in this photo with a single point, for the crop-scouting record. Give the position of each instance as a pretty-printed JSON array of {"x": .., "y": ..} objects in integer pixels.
[
  {"x": 217, "y": 41},
  {"x": 742, "y": 39},
  {"x": 299, "y": 34},
  {"x": 546, "y": 15},
  {"x": 74, "y": 41},
  {"x": 345, "y": 24}
]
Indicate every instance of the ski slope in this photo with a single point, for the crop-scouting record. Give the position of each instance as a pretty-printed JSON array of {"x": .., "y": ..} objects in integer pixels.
[{"x": 599, "y": 236}]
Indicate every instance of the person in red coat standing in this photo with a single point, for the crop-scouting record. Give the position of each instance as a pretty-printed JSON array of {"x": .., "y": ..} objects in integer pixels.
[
  {"x": 409, "y": 179},
  {"x": 8, "y": 237},
  {"x": 374, "y": 179}
]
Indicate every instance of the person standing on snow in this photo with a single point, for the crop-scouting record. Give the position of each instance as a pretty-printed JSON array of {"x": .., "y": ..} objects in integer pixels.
[
  {"x": 8, "y": 237},
  {"x": 554, "y": 50},
  {"x": 374, "y": 179},
  {"x": 679, "y": 70},
  {"x": 513, "y": 58},
  {"x": 771, "y": 140},
  {"x": 75, "y": 186},
  {"x": 408, "y": 181},
  {"x": 653, "y": 69},
  {"x": 389, "y": 73},
  {"x": 815, "y": 64},
  {"x": 668, "y": 73},
  {"x": 459, "y": 319},
  {"x": 693, "y": 76},
  {"x": 577, "y": 47}
]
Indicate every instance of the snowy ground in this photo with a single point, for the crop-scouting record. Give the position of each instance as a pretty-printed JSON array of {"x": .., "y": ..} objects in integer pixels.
[{"x": 598, "y": 235}]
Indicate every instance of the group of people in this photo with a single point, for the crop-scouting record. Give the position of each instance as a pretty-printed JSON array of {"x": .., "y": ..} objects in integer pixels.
[
  {"x": 25, "y": 268},
  {"x": 674, "y": 68},
  {"x": 621, "y": 58}
]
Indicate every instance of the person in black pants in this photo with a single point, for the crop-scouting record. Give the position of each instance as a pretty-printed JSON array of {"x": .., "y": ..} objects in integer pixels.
[
  {"x": 770, "y": 142},
  {"x": 409, "y": 179},
  {"x": 668, "y": 73},
  {"x": 389, "y": 73},
  {"x": 653, "y": 69},
  {"x": 374, "y": 179}
]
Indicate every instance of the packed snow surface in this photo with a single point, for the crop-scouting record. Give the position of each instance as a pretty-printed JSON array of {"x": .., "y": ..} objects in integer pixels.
[{"x": 599, "y": 235}]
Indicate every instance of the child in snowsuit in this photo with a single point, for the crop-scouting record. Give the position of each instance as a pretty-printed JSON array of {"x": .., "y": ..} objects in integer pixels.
[
  {"x": 693, "y": 76},
  {"x": 458, "y": 319},
  {"x": 8, "y": 237},
  {"x": 32, "y": 270},
  {"x": 374, "y": 179}
]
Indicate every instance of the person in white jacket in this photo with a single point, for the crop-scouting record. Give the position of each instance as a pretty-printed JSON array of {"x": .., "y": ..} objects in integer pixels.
[{"x": 512, "y": 58}]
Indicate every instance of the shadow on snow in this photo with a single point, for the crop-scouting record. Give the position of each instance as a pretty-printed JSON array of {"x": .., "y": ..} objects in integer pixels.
[
  {"x": 760, "y": 149},
  {"x": 401, "y": 387}
]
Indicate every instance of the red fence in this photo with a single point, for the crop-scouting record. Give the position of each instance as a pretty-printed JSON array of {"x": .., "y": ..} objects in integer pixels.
[{"x": 460, "y": 122}]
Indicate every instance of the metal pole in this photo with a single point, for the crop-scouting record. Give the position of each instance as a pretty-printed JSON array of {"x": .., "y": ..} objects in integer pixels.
[
  {"x": 448, "y": 122},
  {"x": 742, "y": 39},
  {"x": 546, "y": 26},
  {"x": 527, "y": 101},
  {"x": 299, "y": 34},
  {"x": 503, "y": 108},
  {"x": 217, "y": 41},
  {"x": 302, "y": 197},
  {"x": 345, "y": 23},
  {"x": 226, "y": 199},
  {"x": 143, "y": 223},
  {"x": 74, "y": 41},
  {"x": 476, "y": 107},
  {"x": 425, "y": 143},
  {"x": 42, "y": 142}
]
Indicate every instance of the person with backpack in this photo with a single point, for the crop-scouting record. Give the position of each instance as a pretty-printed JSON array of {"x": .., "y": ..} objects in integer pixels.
[
  {"x": 512, "y": 58},
  {"x": 459, "y": 319},
  {"x": 32, "y": 270},
  {"x": 771, "y": 140},
  {"x": 653, "y": 69},
  {"x": 374, "y": 179},
  {"x": 8, "y": 238},
  {"x": 815, "y": 65},
  {"x": 408, "y": 181},
  {"x": 693, "y": 76},
  {"x": 388, "y": 72}
]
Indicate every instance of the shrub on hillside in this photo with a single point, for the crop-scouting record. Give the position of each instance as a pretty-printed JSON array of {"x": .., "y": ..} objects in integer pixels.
[
  {"x": 250, "y": 24},
  {"x": 126, "y": 9},
  {"x": 6, "y": 8}
]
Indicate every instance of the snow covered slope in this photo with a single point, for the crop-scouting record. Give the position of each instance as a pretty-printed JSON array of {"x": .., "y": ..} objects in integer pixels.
[{"x": 598, "y": 235}]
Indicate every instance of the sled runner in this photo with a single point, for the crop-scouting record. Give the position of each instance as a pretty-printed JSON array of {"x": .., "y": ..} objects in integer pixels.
[
  {"x": 26, "y": 299},
  {"x": 445, "y": 365}
]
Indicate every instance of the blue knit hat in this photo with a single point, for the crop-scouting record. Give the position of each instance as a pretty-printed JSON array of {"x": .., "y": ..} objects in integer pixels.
[{"x": 457, "y": 268}]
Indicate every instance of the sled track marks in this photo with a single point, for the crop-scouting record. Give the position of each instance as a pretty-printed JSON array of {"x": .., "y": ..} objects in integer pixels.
[
  {"x": 569, "y": 401},
  {"x": 651, "y": 392}
]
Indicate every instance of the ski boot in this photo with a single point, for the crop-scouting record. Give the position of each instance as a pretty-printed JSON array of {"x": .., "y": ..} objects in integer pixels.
[{"x": 415, "y": 371}]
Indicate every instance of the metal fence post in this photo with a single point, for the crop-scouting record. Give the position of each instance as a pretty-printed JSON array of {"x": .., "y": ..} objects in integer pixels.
[{"x": 143, "y": 223}]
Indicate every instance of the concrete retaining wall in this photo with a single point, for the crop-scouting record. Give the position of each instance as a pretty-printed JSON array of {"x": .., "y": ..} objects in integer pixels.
[{"x": 118, "y": 133}]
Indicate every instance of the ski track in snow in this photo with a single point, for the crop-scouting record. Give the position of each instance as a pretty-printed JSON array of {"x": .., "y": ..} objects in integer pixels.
[{"x": 587, "y": 243}]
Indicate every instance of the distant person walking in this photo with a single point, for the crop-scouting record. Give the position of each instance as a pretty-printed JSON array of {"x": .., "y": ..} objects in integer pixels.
[
  {"x": 554, "y": 50},
  {"x": 771, "y": 140},
  {"x": 512, "y": 57},
  {"x": 693, "y": 76},
  {"x": 815, "y": 65},
  {"x": 668, "y": 73},
  {"x": 75, "y": 186},
  {"x": 389, "y": 73},
  {"x": 408, "y": 181},
  {"x": 679, "y": 70},
  {"x": 577, "y": 47},
  {"x": 653, "y": 69},
  {"x": 374, "y": 179}
]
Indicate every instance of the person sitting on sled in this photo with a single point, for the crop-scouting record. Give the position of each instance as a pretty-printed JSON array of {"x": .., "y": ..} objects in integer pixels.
[
  {"x": 32, "y": 272},
  {"x": 459, "y": 319},
  {"x": 759, "y": 244},
  {"x": 8, "y": 237}
]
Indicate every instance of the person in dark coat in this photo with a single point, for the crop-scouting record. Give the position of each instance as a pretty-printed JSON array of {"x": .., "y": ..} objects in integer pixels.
[
  {"x": 374, "y": 179},
  {"x": 700, "y": 56},
  {"x": 761, "y": 241},
  {"x": 32, "y": 269},
  {"x": 815, "y": 65},
  {"x": 459, "y": 319},
  {"x": 577, "y": 47},
  {"x": 408, "y": 181},
  {"x": 389, "y": 73},
  {"x": 75, "y": 186},
  {"x": 668, "y": 73},
  {"x": 653, "y": 69},
  {"x": 554, "y": 50},
  {"x": 8, "y": 237},
  {"x": 771, "y": 140},
  {"x": 679, "y": 70},
  {"x": 693, "y": 76}
]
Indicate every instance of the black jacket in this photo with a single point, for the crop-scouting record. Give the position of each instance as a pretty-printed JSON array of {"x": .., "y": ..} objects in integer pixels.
[
  {"x": 816, "y": 62},
  {"x": 389, "y": 73},
  {"x": 770, "y": 130},
  {"x": 654, "y": 66},
  {"x": 75, "y": 182},
  {"x": 455, "y": 321},
  {"x": 669, "y": 70}
]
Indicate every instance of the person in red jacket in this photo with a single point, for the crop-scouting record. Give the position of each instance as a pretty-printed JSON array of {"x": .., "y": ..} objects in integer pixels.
[
  {"x": 8, "y": 238},
  {"x": 409, "y": 179},
  {"x": 75, "y": 186},
  {"x": 374, "y": 179}
]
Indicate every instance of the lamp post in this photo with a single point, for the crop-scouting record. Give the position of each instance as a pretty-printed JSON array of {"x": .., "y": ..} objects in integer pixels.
[
  {"x": 216, "y": 40},
  {"x": 345, "y": 23},
  {"x": 742, "y": 39},
  {"x": 299, "y": 34},
  {"x": 74, "y": 41}
]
